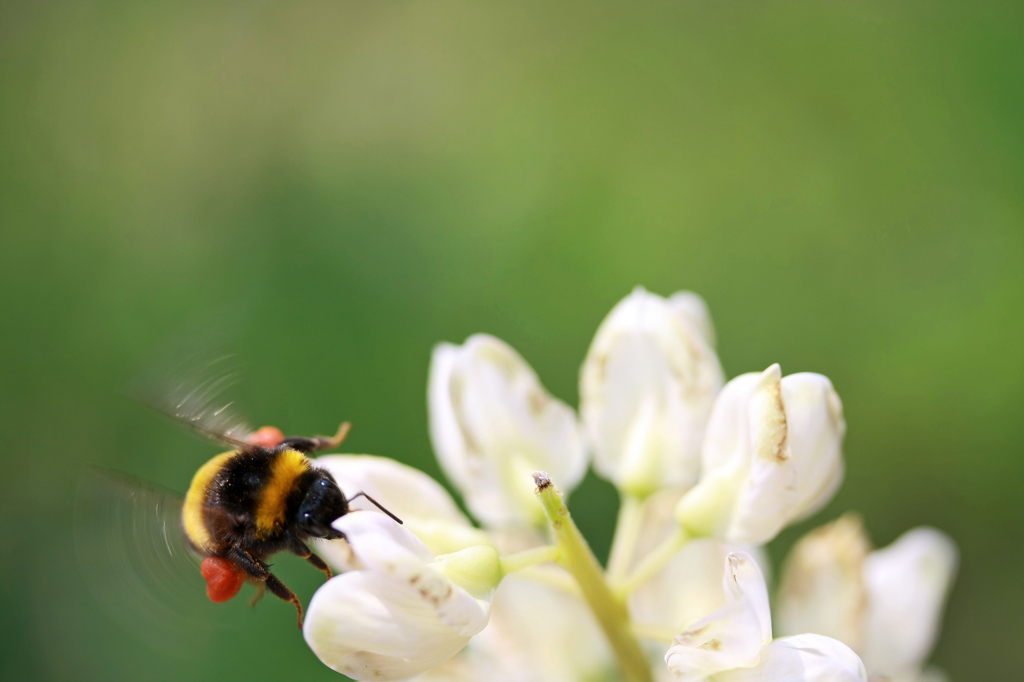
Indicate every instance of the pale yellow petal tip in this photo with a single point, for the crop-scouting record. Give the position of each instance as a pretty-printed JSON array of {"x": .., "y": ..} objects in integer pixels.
[{"x": 771, "y": 375}]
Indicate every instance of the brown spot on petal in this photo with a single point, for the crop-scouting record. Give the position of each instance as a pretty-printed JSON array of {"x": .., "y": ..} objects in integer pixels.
[
  {"x": 695, "y": 631},
  {"x": 600, "y": 367},
  {"x": 781, "y": 452},
  {"x": 775, "y": 436},
  {"x": 538, "y": 402},
  {"x": 712, "y": 645}
]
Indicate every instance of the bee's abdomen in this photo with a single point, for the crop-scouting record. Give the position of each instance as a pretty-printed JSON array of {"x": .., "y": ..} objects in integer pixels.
[
  {"x": 241, "y": 496},
  {"x": 193, "y": 513}
]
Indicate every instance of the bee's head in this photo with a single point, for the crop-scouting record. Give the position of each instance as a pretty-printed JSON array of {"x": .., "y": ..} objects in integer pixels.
[{"x": 323, "y": 504}]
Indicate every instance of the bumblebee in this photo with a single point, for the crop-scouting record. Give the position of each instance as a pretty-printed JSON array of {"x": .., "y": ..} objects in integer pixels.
[
  {"x": 246, "y": 505},
  {"x": 262, "y": 497}
]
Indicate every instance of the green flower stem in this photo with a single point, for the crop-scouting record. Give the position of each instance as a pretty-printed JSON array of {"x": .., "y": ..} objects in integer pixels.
[
  {"x": 529, "y": 557},
  {"x": 558, "y": 579},
  {"x": 578, "y": 559},
  {"x": 627, "y": 530},
  {"x": 654, "y": 562}
]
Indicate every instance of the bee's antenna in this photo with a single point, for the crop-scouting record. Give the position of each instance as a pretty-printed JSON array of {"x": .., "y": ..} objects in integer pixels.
[{"x": 376, "y": 504}]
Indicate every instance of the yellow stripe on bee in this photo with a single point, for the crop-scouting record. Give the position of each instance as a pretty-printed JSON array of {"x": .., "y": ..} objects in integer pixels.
[
  {"x": 195, "y": 501},
  {"x": 284, "y": 472}
]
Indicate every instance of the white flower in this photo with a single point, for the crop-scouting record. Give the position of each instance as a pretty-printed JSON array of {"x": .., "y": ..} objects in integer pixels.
[
  {"x": 537, "y": 633},
  {"x": 735, "y": 643},
  {"x": 400, "y": 613},
  {"x": 907, "y": 584},
  {"x": 690, "y": 585},
  {"x": 646, "y": 389},
  {"x": 802, "y": 658},
  {"x": 706, "y": 474},
  {"x": 822, "y": 586},
  {"x": 886, "y": 604},
  {"x": 732, "y": 636},
  {"x": 492, "y": 423},
  {"x": 771, "y": 456},
  {"x": 425, "y": 507}
]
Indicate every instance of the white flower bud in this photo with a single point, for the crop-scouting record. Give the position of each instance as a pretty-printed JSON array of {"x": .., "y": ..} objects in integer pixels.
[
  {"x": 886, "y": 604},
  {"x": 771, "y": 456},
  {"x": 822, "y": 585},
  {"x": 732, "y": 636},
  {"x": 493, "y": 423},
  {"x": 646, "y": 389},
  {"x": 399, "y": 614},
  {"x": 907, "y": 583},
  {"x": 475, "y": 569},
  {"x": 734, "y": 643},
  {"x": 424, "y": 506}
]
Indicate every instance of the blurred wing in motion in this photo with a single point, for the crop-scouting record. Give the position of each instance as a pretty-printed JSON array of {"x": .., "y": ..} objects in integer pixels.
[
  {"x": 193, "y": 391},
  {"x": 134, "y": 558}
]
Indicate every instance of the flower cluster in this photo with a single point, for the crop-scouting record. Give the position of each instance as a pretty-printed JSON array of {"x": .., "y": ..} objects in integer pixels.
[{"x": 708, "y": 471}]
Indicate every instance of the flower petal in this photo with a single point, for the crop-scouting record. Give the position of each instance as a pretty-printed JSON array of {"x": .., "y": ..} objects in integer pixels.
[
  {"x": 545, "y": 634},
  {"x": 536, "y": 633},
  {"x": 493, "y": 423},
  {"x": 397, "y": 617},
  {"x": 907, "y": 584},
  {"x": 822, "y": 587},
  {"x": 814, "y": 414},
  {"x": 692, "y": 309},
  {"x": 771, "y": 456},
  {"x": 378, "y": 541},
  {"x": 370, "y": 628},
  {"x": 804, "y": 658},
  {"x": 770, "y": 493},
  {"x": 690, "y": 585},
  {"x": 424, "y": 506},
  {"x": 646, "y": 388},
  {"x": 731, "y": 637}
]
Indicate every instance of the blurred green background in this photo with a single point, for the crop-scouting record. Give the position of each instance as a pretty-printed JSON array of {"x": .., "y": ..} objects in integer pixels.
[{"x": 842, "y": 181}]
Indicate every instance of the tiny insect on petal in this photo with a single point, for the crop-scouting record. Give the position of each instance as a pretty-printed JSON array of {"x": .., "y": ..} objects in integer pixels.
[{"x": 223, "y": 578}]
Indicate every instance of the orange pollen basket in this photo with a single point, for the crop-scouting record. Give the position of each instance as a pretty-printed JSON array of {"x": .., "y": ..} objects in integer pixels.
[{"x": 223, "y": 578}]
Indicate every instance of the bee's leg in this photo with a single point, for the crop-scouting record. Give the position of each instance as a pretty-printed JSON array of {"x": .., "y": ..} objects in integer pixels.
[
  {"x": 261, "y": 589},
  {"x": 317, "y": 443},
  {"x": 281, "y": 591},
  {"x": 300, "y": 550},
  {"x": 259, "y": 571},
  {"x": 256, "y": 569},
  {"x": 320, "y": 565}
]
